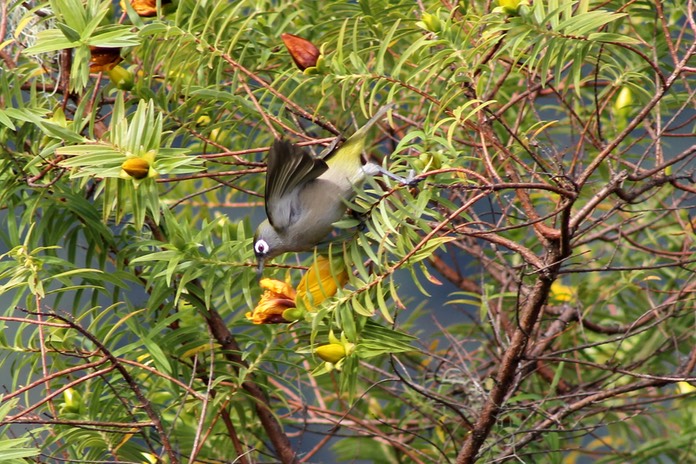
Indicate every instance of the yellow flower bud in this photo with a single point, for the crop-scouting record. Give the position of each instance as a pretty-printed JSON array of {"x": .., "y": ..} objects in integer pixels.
[
  {"x": 331, "y": 353},
  {"x": 73, "y": 401},
  {"x": 432, "y": 22},
  {"x": 293, "y": 314},
  {"x": 137, "y": 168},
  {"x": 561, "y": 293},
  {"x": 121, "y": 77},
  {"x": 624, "y": 101},
  {"x": 203, "y": 120},
  {"x": 512, "y": 7}
]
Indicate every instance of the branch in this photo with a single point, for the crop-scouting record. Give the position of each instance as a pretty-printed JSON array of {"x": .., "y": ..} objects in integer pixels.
[
  {"x": 279, "y": 439},
  {"x": 509, "y": 363},
  {"x": 132, "y": 384}
]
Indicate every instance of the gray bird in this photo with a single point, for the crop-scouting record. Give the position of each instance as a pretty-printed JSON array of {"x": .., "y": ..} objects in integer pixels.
[{"x": 305, "y": 195}]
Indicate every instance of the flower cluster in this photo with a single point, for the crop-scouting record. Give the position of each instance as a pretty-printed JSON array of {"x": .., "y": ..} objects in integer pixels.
[{"x": 281, "y": 303}]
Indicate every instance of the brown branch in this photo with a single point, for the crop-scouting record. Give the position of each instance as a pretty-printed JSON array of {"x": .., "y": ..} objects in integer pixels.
[
  {"x": 83, "y": 423},
  {"x": 564, "y": 411},
  {"x": 611, "y": 187},
  {"x": 454, "y": 276},
  {"x": 132, "y": 384},
  {"x": 224, "y": 337},
  {"x": 232, "y": 432},
  {"x": 49, "y": 396},
  {"x": 642, "y": 114},
  {"x": 274, "y": 431},
  {"x": 507, "y": 369}
]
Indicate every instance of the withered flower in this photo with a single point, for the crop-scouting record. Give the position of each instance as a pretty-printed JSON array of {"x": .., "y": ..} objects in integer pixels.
[
  {"x": 303, "y": 52},
  {"x": 103, "y": 58}
]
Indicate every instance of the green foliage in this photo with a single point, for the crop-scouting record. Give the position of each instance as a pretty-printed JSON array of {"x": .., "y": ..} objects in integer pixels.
[
  {"x": 12, "y": 450},
  {"x": 532, "y": 296}
]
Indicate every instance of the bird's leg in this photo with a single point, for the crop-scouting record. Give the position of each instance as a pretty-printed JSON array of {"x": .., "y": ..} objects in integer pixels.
[{"x": 374, "y": 169}]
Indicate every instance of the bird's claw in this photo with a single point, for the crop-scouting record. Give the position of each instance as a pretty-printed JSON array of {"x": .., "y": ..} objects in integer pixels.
[{"x": 411, "y": 180}]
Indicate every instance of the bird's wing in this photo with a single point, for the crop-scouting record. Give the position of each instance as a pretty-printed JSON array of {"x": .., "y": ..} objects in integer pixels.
[{"x": 289, "y": 167}]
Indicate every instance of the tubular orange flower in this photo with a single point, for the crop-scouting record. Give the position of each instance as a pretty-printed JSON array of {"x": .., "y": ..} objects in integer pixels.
[
  {"x": 278, "y": 297},
  {"x": 320, "y": 283}
]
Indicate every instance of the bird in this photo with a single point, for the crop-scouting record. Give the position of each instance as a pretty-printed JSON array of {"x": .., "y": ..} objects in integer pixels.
[{"x": 306, "y": 195}]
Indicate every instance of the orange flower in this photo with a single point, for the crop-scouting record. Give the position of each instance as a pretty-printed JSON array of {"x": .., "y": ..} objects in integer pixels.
[
  {"x": 303, "y": 52},
  {"x": 103, "y": 58},
  {"x": 279, "y": 301},
  {"x": 278, "y": 297},
  {"x": 145, "y": 8}
]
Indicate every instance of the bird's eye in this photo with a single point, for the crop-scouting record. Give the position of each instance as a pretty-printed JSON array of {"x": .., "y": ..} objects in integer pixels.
[{"x": 261, "y": 248}]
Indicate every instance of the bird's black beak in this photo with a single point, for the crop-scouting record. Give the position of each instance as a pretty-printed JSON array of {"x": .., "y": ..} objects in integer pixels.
[{"x": 259, "y": 266}]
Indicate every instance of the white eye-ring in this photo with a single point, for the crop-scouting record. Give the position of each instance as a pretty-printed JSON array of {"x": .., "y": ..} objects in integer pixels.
[{"x": 261, "y": 247}]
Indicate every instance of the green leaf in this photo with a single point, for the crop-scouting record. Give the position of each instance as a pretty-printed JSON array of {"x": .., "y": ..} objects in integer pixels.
[
  {"x": 73, "y": 12},
  {"x": 158, "y": 356},
  {"x": 610, "y": 37},
  {"x": 113, "y": 36},
  {"x": 50, "y": 40},
  {"x": 5, "y": 120},
  {"x": 60, "y": 132},
  {"x": 69, "y": 33}
]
